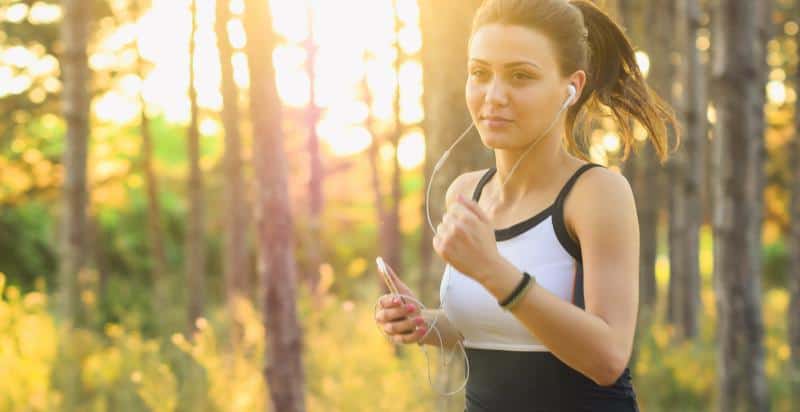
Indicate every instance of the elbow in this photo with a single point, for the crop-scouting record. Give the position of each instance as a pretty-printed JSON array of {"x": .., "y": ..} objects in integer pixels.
[{"x": 610, "y": 370}]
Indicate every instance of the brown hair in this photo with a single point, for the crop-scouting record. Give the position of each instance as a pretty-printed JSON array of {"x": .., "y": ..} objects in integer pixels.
[{"x": 586, "y": 38}]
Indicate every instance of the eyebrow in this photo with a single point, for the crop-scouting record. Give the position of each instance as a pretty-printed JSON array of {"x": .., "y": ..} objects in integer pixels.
[{"x": 512, "y": 64}]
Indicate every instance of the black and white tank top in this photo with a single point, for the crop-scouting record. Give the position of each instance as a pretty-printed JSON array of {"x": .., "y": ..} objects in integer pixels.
[{"x": 539, "y": 245}]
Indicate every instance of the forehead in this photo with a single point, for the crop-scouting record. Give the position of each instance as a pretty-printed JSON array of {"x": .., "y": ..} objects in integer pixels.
[{"x": 502, "y": 43}]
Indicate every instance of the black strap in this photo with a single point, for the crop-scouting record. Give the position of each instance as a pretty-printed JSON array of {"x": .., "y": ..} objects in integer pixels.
[
  {"x": 481, "y": 183},
  {"x": 571, "y": 182}
]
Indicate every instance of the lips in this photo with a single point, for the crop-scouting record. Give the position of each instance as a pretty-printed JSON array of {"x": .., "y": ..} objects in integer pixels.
[{"x": 495, "y": 118}]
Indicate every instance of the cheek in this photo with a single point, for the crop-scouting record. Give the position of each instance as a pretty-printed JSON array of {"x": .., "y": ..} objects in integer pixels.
[{"x": 474, "y": 97}]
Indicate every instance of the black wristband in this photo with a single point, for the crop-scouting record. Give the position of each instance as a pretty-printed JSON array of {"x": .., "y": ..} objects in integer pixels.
[{"x": 520, "y": 286}]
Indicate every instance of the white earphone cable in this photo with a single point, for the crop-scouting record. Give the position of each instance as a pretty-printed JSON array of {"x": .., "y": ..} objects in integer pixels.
[{"x": 432, "y": 327}]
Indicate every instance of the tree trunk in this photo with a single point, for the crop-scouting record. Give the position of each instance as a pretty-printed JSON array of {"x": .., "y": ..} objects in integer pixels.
[
  {"x": 277, "y": 273},
  {"x": 237, "y": 208},
  {"x": 195, "y": 241},
  {"x": 687, "y": 173},
  {"x": 650, "y": 181},
  {"x": 445, "y": 32},
  {"x": 315, "y": 183},
  {"x": 158, "y": 272},
  {"x": 75, "y": 69},
  {"x": 394, "y": 239},
  {"x": 72, "y": 243},
  {"x": 737, "y": 228}
]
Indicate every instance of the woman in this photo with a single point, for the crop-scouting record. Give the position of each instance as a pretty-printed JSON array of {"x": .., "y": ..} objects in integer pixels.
[{"x": 541, "y": 283}]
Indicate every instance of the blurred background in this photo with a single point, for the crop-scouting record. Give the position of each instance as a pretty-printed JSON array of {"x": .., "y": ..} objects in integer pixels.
[{"x": 193, "y": 192}]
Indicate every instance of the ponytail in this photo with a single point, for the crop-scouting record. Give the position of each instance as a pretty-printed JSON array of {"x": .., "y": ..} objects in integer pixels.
[{"x": 616, "y": 81}]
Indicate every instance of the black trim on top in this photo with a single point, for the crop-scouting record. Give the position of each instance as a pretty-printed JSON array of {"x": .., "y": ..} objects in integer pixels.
[
  {"x": 555, "y": 209},
  {"x": 558, "y": 214},
  {"x": 517, "y": 228}
]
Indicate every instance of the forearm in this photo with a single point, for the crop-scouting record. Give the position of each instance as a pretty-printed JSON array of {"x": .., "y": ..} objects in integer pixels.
[
  {"x": 450, "y": 335},
  {"x": 580, "y": 339}
]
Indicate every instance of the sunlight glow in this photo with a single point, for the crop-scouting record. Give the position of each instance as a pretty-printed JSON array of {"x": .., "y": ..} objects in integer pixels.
[
  {"x": 44, "y": 13},
  {"x": 643, "y": 60},
  {"x": 611, "y": 142},
  {"x": 411, "y": 150},
  {"x": 776, "y": 92},
  {"x": 15, "y": 13},
  {"x": 349, "y": 60}
]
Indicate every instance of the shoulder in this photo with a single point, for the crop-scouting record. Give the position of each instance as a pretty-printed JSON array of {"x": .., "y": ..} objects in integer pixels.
[
  {"x": 601, "y": 197},
  {"x": 464, "y": 185}
]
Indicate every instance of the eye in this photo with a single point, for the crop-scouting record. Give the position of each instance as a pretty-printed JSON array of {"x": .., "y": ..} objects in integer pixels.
[
  {"x": 520, "y": 76},
  {"x": 478, "y": 73}
]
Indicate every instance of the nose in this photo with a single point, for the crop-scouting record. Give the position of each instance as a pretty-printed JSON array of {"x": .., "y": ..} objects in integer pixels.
[{"x": 496, "y": 93}]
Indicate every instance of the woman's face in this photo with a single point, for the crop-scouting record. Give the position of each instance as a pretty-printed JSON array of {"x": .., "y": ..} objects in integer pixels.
[{"x": 514, "y": 87}]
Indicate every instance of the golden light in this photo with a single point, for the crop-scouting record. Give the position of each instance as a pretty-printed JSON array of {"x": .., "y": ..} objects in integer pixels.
[
  {"x": 711, "y": 114},
  {"x": 237, "y": 6},
  {"x": 348, "y": 141},
  {"x": 6, "y": 74},
  {"x": 643, "y": 60},
  {"x": 18, "y": 56},
  {"x": 411, "y": 150},
  {"x": 15, "y": 13},
  {"x": 44, "y": 13},
  {"x": 703, "y": 43},
  {"x": 210, "y": 127},
  {"x": 776, "y": 92},
  {"x": 236, "y": 33},
  {"x": 791, "y": 28},
  {"x": 116, "y": 107},
  {"x": 611, "y": 142}
]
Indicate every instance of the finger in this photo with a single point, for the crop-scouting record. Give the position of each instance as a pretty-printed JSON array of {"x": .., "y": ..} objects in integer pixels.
[
  {"x": 411, "y": 337},
  {"x": 473, "y": 207},
  {"x": 390, "y": 315},
  {"x": 402, "y": 327},
  {"x": 409, "y": 325},
  {"x": 388, "y": 301}
]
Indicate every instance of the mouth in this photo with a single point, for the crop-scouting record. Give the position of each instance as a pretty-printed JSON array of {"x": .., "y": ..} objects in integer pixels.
[
  {"x": 496, "y": 122},
  {"x": 495, "y": 119}
]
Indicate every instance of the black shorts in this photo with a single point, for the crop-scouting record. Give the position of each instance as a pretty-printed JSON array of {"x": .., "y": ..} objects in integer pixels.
[{"x": 509, "y": 381}]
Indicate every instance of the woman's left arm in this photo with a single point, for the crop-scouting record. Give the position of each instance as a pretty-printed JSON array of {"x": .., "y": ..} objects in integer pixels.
[{"x": 597, "y": 341}]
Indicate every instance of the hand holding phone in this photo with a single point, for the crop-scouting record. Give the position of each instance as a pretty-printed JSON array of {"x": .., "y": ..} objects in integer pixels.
[{"x": 383, "y": 268}]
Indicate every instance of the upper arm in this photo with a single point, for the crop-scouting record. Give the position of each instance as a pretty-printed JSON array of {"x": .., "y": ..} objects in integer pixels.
[{"x": 604, "y": 219}]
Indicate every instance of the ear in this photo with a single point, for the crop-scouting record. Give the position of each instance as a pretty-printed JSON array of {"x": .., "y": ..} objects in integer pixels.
[{"x": 578, "y": 79}]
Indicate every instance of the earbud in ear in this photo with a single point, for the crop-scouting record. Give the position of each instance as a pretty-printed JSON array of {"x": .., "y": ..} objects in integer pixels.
[{"x": 572, "y": 92}]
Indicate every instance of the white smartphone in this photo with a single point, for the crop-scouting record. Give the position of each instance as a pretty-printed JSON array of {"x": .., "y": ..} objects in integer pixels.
[{"x": 387, "y": 278}]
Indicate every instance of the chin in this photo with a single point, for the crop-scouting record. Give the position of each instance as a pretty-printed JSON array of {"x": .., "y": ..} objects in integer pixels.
[{"x": 499, "y": 140}]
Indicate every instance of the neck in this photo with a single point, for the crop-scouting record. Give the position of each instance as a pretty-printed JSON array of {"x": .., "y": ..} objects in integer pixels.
[{"x": 535, "y": 171}]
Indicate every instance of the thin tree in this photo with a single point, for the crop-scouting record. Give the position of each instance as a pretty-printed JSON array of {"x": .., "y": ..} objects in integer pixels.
[
  {"x": 155, "y": 232},
  {"x": 394, "y": 238},
  {"x": 237, "y": 208},
  {"x": 195, "y": 239},
  {"x": 73, "y": 242},
  {"x": 686, "y": 174},
  {"x": 317, "y": 175},
  {"x": 276, "y": 262},
  {"x": 75, "y": 100},
  {"x": 742, "y": 381},
  {"x": 650, "y": 177}
]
